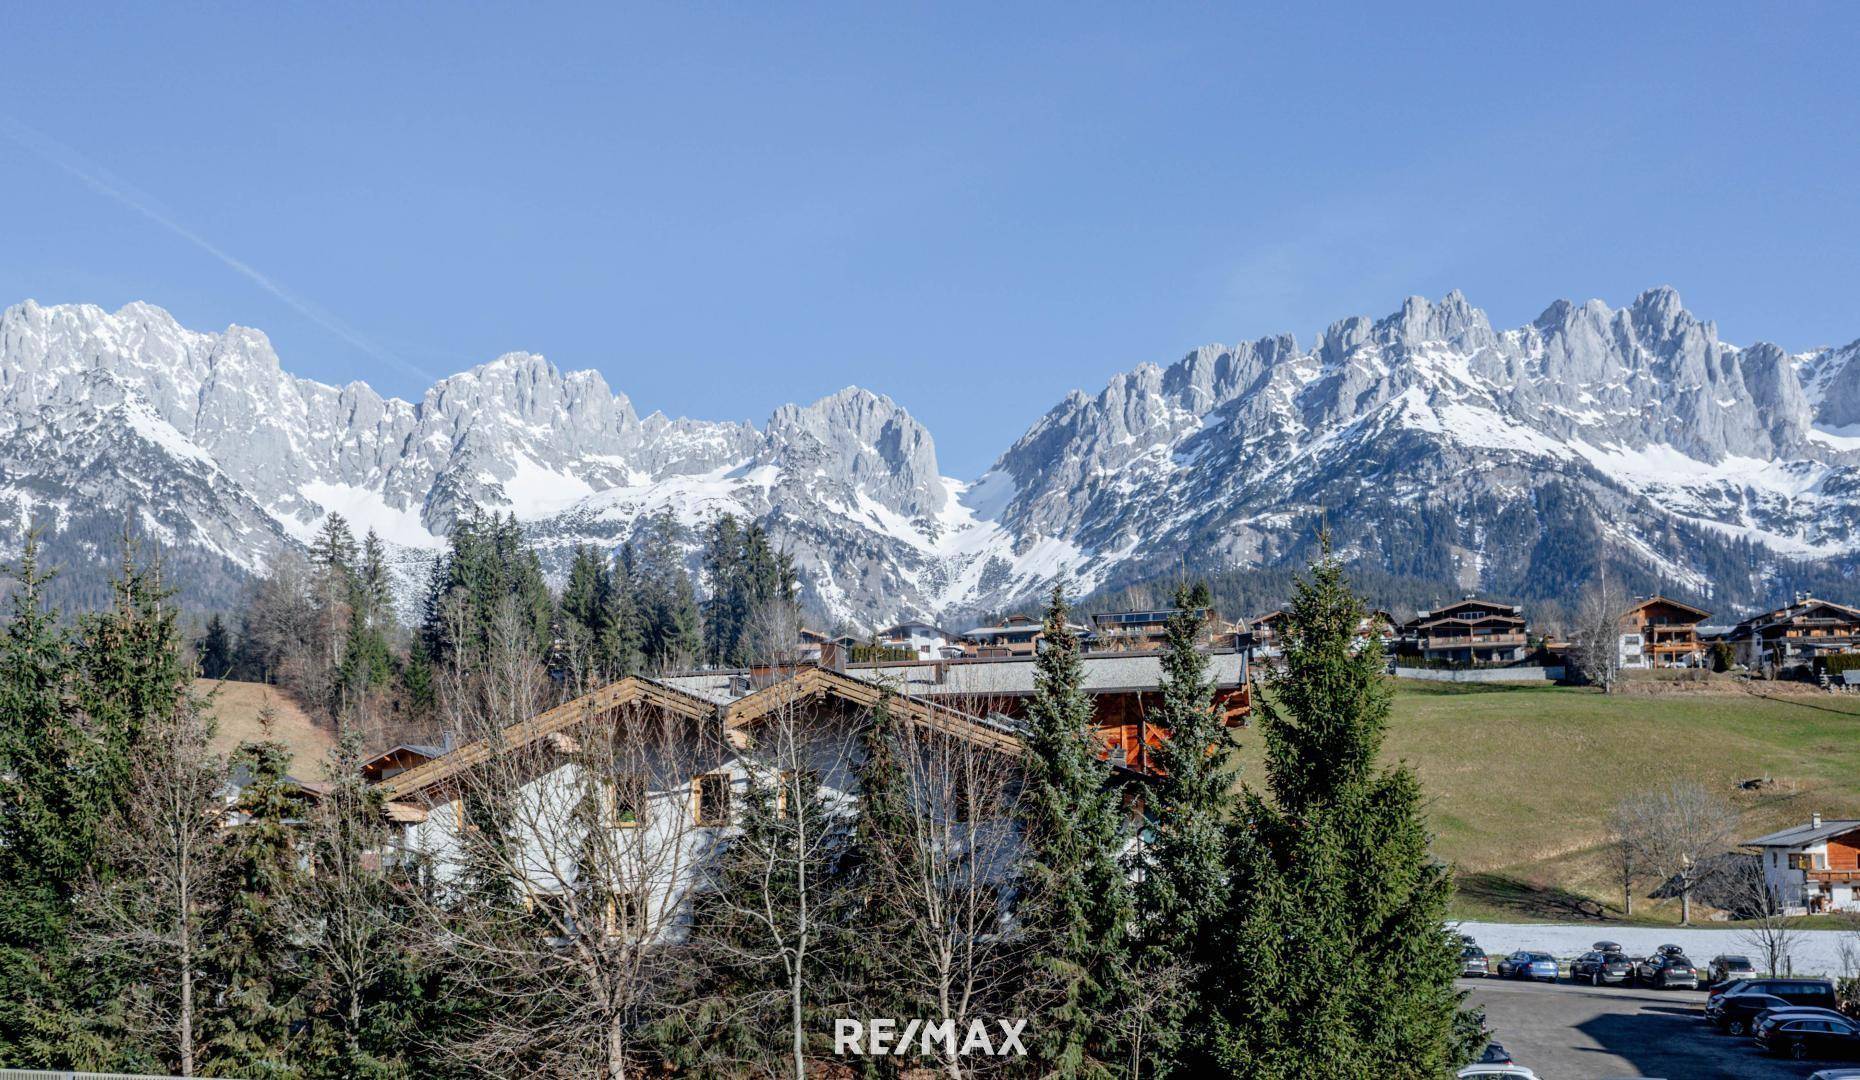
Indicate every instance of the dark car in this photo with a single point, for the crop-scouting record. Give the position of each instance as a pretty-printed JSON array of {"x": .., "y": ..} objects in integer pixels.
[
  {"x": 1726, "y": 969},
  {"x": 1597, "y": 967},
  {"x": 1805, "y": 1037},
  {"x": 1736, "y": 1010},
  {"x": 1525, "y": 964},
  {"x": 1673, "y": 971},
  {"x": 1772, "y": 1017},
  {"x": 1646, "y": 967}
]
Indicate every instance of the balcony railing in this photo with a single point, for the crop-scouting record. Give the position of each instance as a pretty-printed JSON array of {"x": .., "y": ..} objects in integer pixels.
[
  {"x": 1481, "y": 642},
  {"x": 1832, "y": 876}
]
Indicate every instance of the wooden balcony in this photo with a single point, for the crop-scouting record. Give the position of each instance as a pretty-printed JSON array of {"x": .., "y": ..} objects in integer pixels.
[
  {"x": 1485, "y": 641},
  {"x": 1831, "y": 877}
]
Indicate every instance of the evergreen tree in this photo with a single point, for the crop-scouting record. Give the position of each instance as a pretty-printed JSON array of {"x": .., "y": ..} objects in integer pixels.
[
  {"x": 252, "y": 1021},
  {"x": 671, "y": 627},
  {"x": 873, "y": 870},
  {"x": 619, "y": 643},
  {"x": 1075, "y": 904},
  {"x": 47, "y": 829},
  {"x": 1182, "y": 887},
  {"x": 215, "y": 649},
  {"x": 1337, "y": 903}
]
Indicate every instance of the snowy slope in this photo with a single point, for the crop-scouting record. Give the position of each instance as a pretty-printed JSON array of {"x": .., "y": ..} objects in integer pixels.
[{"x": 1431, "y": 443}]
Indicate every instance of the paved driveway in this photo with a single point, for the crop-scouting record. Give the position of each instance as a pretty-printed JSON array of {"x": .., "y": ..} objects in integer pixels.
[{"x": 1566, "y": 1032}]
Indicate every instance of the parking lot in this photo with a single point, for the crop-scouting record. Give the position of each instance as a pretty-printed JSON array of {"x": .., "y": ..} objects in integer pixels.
[{"x": 1564, "y": 1032}]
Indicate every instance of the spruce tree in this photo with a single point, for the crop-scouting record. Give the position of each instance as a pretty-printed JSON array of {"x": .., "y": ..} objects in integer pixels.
[
  {"x": 1075, "y": 905},
  {"x": 874, "y": 869},
  {"x": 1338, "y": 907},
  {"x": 1182, "y": 888},
  {"x": 252, "y": 1022},
  {"x": 620, "y": 641},
  {"x": 47, "y": 828},
  {"x": 215, "y": 649}
]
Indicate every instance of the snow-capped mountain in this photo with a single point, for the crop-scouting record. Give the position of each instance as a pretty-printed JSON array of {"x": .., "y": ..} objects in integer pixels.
[{"x": 1434, "y": 446}]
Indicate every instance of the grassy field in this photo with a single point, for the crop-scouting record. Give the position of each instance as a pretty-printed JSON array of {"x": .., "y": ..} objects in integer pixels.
[
  {"x": 235, "y": 707},
  {"x": 1520, "y": 778}
]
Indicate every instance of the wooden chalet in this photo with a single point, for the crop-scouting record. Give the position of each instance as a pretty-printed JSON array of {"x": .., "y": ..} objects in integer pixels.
[
  {"x": 1795, "y": 634},
  {"x": 1136, "y": 631},
  {"x": 1016, "y": 635},
  {"x": 1660, "y": 632},
  {"x": 1470, "y": 632}
]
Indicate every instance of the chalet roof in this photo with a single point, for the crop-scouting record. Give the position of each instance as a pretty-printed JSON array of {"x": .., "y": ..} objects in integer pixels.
[
  {"x": 627, "y": 691},
  {"x": 1013, "y": 677},
  {"x": 1804, "y": 834},
  {"x": 1652, "y": 600},
  {"x": 737, "y": 713},
  {"x": 911, "y": 624},
  {"x": 1471, "y": 601},
  {"x": 1276, "y": 615}
]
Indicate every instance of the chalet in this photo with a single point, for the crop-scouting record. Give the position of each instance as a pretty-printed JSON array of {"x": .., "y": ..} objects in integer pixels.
[
  {"x": 399, "y": 759},
  {"x": 1813, "y": 868},
  {"x": 1659, "y": 632},
  {"x": 1267, "y": 630},
  {"x": 1470, "y": 633},
  {"x": 1794, "y": 635},
  {"x": 1136, "y": 631},
  {"x": 808, "y": 644},
  {"x": 920, "y": 639},
  {"x": 726, "y": 724},
  {"x": 1016, "y": 635}
]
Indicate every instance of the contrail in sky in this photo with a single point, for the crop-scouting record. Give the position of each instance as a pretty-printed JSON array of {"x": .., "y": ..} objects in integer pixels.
[{"x": 103, "y": 183}]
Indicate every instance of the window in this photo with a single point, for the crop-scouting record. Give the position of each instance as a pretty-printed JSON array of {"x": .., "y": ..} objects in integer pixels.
[
  {"x": 1799, "y": 860},
  {"x": 711, "y": 799},
  {"x": 628, "y": 796}
]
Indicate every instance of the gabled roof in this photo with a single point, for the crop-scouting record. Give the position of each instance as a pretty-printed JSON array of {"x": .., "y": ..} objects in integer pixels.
[
  {"x": 1494, "y": 606},
  {"x": 807, "y": 685},
  {"x": 812, "y": 684},
  {"x": 1793, "y": 611},
  {"x": 1804, "y": 834},
  {"x": 1670, "y": 602},
  {"x": 631, "y": 690}
]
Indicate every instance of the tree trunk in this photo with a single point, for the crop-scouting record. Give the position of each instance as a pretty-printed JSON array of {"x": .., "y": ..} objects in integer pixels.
[{"x": 1685, "y": 904}]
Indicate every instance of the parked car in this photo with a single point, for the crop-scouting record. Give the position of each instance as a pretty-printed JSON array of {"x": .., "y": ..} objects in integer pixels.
[
  {"x": 1495, "y": 1072},
  {"x": 1736, "y": 1010},
  {"x": 1598, "y": 967},
  {"x": 1726, "y": 969},
  {"x": 1525, "y": 964},
  {"x": 1836, "y": 1074},
  {"x": 1647, "y": 966},
  {"x": 1772, "y": 1017},
  {"x": 1673, "y": 971},
  {"x": 1806, "y": 1037},
  {"x": 1473, "y": 961},
  {"x": 1737, "y": 1013}
]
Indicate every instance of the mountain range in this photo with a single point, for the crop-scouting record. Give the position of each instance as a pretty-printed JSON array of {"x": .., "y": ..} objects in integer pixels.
[{"x": 1439, "y": 452}]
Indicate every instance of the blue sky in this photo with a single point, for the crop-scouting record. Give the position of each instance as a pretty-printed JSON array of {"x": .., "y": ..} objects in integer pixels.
[{"x": 972, "y": 209}]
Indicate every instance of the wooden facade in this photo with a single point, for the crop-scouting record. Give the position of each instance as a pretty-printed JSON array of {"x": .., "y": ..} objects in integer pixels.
[
  {"x": 1662, "y": 632},
  {"x": 1471, "y": 632},
  {"x": 1796, "y": 634}
]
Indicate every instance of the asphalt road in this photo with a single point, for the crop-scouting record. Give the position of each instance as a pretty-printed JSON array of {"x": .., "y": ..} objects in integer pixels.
[{"x": 1565, "y": 1032}]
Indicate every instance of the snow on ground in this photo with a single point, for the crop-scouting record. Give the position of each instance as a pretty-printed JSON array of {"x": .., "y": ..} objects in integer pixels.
[
  {"x": 365, "y": 510},
  {"x": 1817, "y": 952},
  {"x": 1846, "y": 437},
  {"x": 536, "y": 491}
]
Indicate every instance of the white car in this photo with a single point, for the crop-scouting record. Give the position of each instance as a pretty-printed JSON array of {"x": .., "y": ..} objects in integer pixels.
[
  {"x": 1495, "y": 1072},
  {"x": 1836, "y": 1074}
]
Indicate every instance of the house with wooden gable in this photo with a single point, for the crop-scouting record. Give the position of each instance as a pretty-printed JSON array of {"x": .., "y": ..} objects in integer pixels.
[
  {"x": 1813, "y": 867},
  {"x": 673, "y": 759},
  {"x": 1794, "y": 635},
  {"x": 1660, "y": 632},
  {"x": 1469, "y": 633}
]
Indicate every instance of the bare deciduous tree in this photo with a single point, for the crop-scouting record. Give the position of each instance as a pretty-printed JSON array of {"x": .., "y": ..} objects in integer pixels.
[
  {"x": 773, "y": 885},
  {"x": 1595, "y": 646},
  {"x": 164, "y": 856},
  {"x": 1677, "y": 830},
  {"x": 1625, "y": 855},
  {"x": 1767, "y": 927},
  {"x": 956, "y": 952}
]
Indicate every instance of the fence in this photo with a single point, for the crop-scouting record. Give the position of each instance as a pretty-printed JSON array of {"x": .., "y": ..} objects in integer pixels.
[{"x": 1482, "y": 675}]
